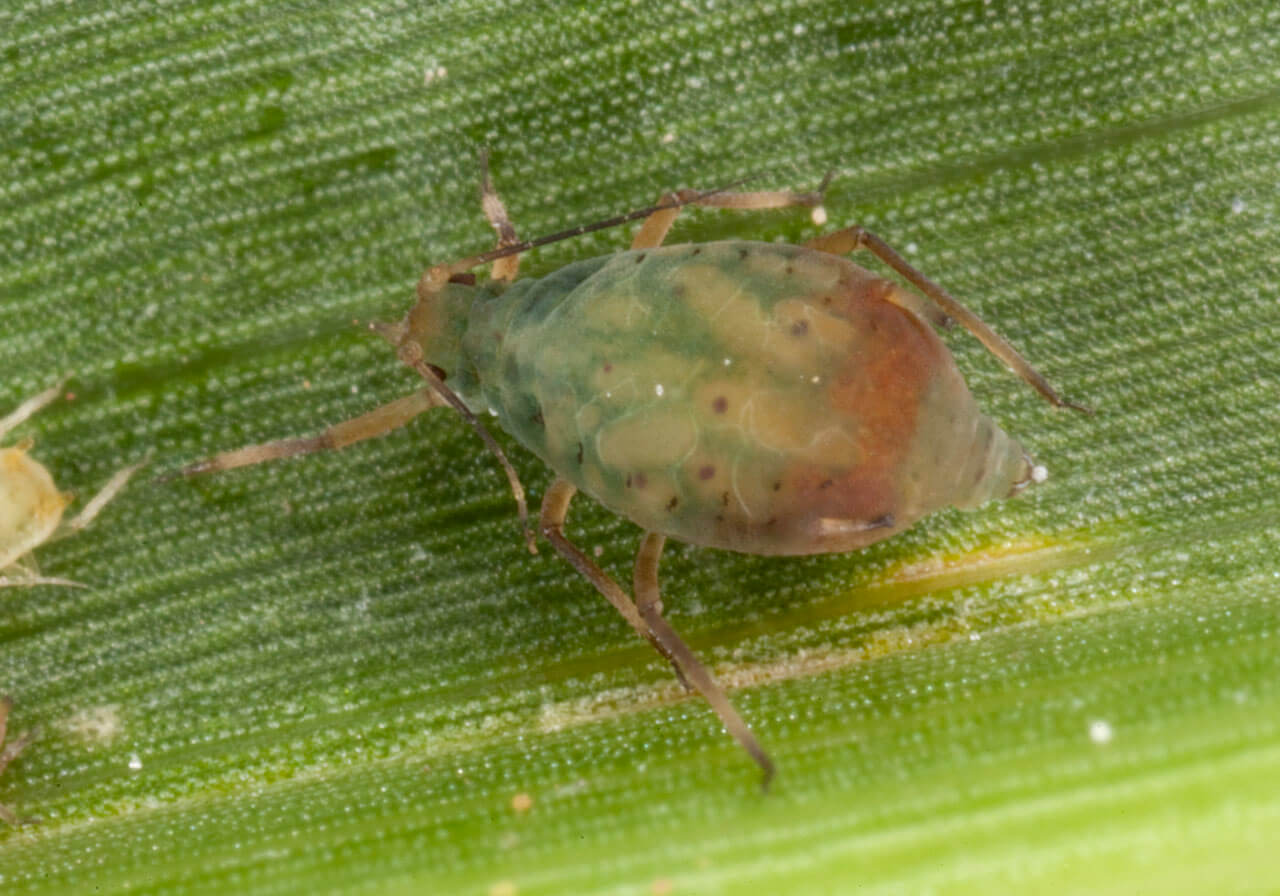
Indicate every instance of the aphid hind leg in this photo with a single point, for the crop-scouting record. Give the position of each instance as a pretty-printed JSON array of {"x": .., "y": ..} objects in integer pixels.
[
  {"x": 649, "y": 603},
  {"x": 377, "y": 422},
  {"x": 655, "y": 227},
  {"x": 854, "y": 238}
]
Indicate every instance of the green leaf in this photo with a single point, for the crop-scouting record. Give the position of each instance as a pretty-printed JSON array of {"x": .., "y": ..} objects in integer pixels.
[{"x": 336, "y": 673}]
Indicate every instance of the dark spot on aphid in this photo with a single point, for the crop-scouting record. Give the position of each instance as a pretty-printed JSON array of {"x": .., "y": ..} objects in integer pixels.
[
  {"x": 706, "y": 472},
  {"x": 720, "y": 405},
  {"x": 608, "y": 368},
  {"x": 537, "y": 418},
  {"x": 641, "y": 480},
  {"x": 724, "y": 499},
  {"x": 719, "y": 517},
  {"x": 827, "y": 300},
  {"x": 799, "y": 328},
  {"x": 772, "y": 521},
  {"x": 826, "y": 483},
  {"x": 465, "y": 278},
  {"x": 671, "y": 505},
  {"x": 790, "y": 269},
  {"x": 697, "y": 251},
  {"x": 579, "y": 454},
  {"x": 628, "y": 480},
  {"x": 742, "y": 253},
  {"x": 777, "y": 485},
  {"x": 640, "y": 258},
  {"x": 438, "y": 371}
]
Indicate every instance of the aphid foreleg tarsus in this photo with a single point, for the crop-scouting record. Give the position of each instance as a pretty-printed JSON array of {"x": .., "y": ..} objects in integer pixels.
[
  {"x": 649, "y": 603},
  {"x": 10, "y": 753},
  {"x": 377, "y": 422},
  {"x": 645, "y": 614},
  {"x": 655, "y": 227},
  {"x": 854, "y": 238}
]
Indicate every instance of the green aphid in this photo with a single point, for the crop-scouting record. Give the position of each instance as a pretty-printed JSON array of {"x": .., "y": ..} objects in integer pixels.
[{"x": 756, "y": 397}]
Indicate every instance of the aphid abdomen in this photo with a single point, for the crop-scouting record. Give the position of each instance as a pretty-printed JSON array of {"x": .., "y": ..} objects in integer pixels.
[{"x": 748, "y": 396}]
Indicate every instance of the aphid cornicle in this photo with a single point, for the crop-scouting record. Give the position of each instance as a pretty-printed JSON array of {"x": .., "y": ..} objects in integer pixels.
[
  {"x": 31, "y": 506},
  {"x": 765, "y": 398}
]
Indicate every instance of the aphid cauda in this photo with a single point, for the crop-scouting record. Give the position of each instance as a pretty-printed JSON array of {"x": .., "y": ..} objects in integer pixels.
[
  {"x": 756, "y": 397},
  {"x": 30, "y": 504},
  {"x": 8, "y": 752}
]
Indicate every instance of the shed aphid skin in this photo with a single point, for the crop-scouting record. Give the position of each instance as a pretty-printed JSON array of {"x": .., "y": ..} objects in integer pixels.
[
  {"x": 756, "y": 397},
  {"x": 31, "y": 506},
  {"x": 8, "y": 752}
]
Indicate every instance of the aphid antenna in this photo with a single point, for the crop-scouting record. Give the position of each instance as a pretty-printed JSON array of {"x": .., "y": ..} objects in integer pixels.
[
  {"x": 616, "y": 221},
  {"x": 428, "y": 373}
]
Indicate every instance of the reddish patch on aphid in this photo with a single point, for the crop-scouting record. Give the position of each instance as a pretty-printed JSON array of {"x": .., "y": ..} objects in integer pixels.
[
  {"x": 720, "y": 405},
  {"x": 878, "y": 388},
  {"x": 706, "y": 472}
]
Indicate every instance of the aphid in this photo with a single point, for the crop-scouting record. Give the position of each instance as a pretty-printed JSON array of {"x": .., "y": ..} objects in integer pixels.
[
  {"x": 9, "y": 752},
  {"x": 756, "y": 397},
  {"x": 31, "y": 506}
]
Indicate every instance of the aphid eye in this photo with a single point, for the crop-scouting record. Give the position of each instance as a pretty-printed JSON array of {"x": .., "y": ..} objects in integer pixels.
[
  {"x": 466, "y": 278},
  {"x": 438, "y": 372}
]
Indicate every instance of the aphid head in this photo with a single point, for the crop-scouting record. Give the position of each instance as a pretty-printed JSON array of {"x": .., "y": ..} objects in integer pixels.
[{"x": 437, "y": 322}]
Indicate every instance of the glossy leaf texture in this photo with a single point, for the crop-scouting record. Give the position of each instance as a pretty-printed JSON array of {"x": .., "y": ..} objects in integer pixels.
[{"x": 344, "y": 673}]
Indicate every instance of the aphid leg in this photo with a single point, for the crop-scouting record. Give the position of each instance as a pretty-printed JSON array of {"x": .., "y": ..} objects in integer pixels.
[
  {"x": 504, "y": 268},
  {"x": 655, "y": 227},
  {"x": 377, "y": 422},
  {"x": 647, "y": 619},
  {"x": 853, "y": 238},
  {"x": 551, "y": 520},
  {"x": 31, "y": 406},
  {"x": 410, "y": 354},
  {"x": 10, "y": 753},
  {"x": 649, "y": 603},
  {"x": 101, "y": 499}
]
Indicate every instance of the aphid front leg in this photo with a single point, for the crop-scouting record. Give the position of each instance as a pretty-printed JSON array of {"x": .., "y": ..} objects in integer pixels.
[
  {"x": 854, "y": 238},
  {"x": 377, "y": 422},
  {"x": 655, "y": 227},
  {"x": 645, "y": 615},
  {"x": 508, "y": 267},
  {"x": 10, "y": 753}
]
